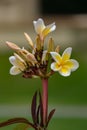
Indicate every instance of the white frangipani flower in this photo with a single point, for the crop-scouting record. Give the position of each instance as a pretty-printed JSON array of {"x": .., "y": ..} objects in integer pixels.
[
  {"x": 63, "y": 63},
  {"x": 43, "y": 30},
  {"x": 18, "y": 64}
]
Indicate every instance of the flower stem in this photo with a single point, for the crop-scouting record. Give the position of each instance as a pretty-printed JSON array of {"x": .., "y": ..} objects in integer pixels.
[{"x": 45, "y": 99}]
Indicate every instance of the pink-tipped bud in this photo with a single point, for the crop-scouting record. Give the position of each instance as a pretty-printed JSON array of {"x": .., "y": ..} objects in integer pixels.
[
  {"x": 31, "y": 58},
  {"x": 13, "y": 46}
]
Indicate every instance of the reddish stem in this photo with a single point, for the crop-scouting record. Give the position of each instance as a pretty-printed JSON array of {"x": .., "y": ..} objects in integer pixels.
[{"x": 45, "y": 99}]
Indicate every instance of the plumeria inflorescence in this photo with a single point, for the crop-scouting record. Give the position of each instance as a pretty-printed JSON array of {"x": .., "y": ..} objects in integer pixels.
[
  {"x": 35, "y": 63},
  {"x": 40, "y": 62}
]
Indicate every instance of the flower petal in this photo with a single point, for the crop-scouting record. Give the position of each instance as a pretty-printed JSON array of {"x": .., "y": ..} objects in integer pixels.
[
  {"x": 52, "y": 27},
  {"x": 64, "y": 71},
  {"x": 56, "y": 56},
  {"x": 12, "y": 60},
  {"x": 39, "y": 25},
  {"x": 68, "y": 64},
  {"x": 55, "y": 66},
  {"x": 17, "y": 61},
  {"x": 49, "y": 29},
  {"x": 14, "y": 70},
  {"x": 66, "y": 54},
  {"x": 75, "y": 64},
  {"x": 20, "y": 63}
]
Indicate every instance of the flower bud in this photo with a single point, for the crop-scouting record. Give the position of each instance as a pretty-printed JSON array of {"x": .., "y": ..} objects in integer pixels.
[
  {"x": 57, "y": 49},
  {"x": 50, "y": 45},
  {"x": 38, "y": 43},
  {"x": 44, "y": 56},
  {"x": 13, "y": 46},
  {"x": 29, "y": 40},
  {"x": 31, "y": 58}
]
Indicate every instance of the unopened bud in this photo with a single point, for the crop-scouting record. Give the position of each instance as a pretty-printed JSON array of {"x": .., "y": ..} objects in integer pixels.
[
  {"x": 44, "y": 56},
  {"x": 23, "y": 50},
  {"x": 57, "y": 49},
  {"x": 50, "y": 45},
  {"x": 23, "y": 53},
  {"x": 38, "y": 43},
  {"x": 29, "y": 40},
  {"x": 31, "y": 58},
  {"x": 13, "y": 46}
]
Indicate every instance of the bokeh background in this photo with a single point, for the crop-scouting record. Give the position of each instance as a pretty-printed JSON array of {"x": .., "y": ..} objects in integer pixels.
[{"x": 67, "y": 95}]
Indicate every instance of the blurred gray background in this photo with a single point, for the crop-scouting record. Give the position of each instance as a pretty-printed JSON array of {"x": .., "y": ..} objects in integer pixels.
[
  {"x": 16, "y": 17},
  {"x": 67, "y": 95}
]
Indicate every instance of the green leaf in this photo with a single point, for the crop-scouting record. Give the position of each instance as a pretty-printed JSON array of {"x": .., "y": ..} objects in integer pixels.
[{"x": 22, "y": 127}]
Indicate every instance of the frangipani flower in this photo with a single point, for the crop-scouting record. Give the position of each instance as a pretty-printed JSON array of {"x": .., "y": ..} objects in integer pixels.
[
  {"x": 43, "y": 30},
  {"x": 18, "y": 63},
  {"x": 63, "y": 63}
]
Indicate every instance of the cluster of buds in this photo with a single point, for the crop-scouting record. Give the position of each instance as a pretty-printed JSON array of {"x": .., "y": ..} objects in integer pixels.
[{"x": 35, "y": 63}]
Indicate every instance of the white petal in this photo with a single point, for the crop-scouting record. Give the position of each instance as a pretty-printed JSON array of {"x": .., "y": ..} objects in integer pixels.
[
  {"x": 67, "y": 53},
  {"x": 55, "y": 67},
  {"x": 75, "y": 64},
  {"x": 65, "y": 74},
  {"x": 52, "y": 27},
  {"x": 56, "y": 56},
  {"x": 14, "y": 70},
  {"x": 39, "y": 25},
  {"x": 12, "y": 60},
  {"x": 19, "y": 62}
]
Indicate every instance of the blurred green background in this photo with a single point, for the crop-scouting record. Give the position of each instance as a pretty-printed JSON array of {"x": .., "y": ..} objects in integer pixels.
[
  {"x": 67, "y": 94},
  {"x": 71, "y": 91},
  {"x": 62, "y": 90}
]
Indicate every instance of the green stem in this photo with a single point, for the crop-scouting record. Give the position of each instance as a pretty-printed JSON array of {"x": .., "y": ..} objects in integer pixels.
[{"x": 45, "y": 99}]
